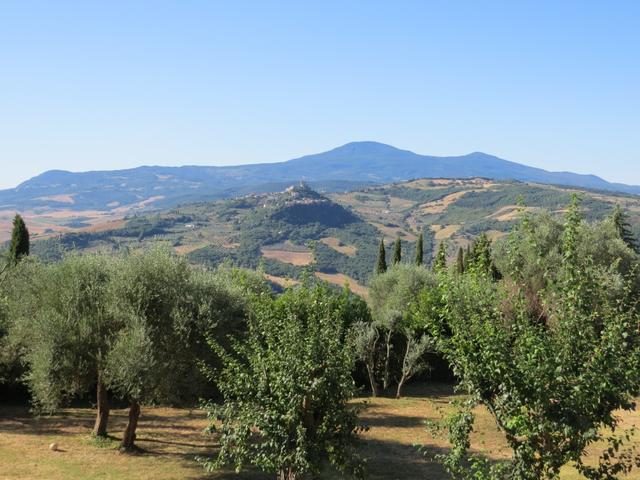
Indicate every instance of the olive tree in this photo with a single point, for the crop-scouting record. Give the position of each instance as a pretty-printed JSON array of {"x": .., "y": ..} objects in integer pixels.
[
  {"x": 62, "y": 322},
  {"x": 392, "y": 296},
  {"x": 168, "y": 309},
  {"x": 286, "y": 387}
]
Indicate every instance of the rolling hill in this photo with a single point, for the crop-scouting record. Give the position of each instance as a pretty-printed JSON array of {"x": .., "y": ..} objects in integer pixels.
[
  {"x": 335, "y": 235},
  {"x": 60, "y": 200}
]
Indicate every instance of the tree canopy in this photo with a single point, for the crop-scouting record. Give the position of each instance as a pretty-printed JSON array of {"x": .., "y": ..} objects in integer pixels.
[{"x": 286, "y": 387}]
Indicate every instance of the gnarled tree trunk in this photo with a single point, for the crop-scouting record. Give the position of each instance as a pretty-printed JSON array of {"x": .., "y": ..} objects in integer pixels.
[
  {"x": 386, "y": 377},
  {"x": 129, "y": 437},
  {"x": 372, "y": 379},
  {"x": 286, "y": 474},
  {"x": 102, "y": 416}
]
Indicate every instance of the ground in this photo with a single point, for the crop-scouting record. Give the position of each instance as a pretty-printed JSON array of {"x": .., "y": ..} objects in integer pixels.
[{"x": 171, "y": 439}]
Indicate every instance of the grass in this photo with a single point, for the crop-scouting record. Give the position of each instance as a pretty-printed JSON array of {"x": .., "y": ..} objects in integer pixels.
[{"x": 170, "y": 439}]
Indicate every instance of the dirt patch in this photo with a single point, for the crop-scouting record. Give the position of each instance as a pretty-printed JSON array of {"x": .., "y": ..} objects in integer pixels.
[
  {"x": 391, "y": 233},
  {"x": 106, "y": 226},
  {"x": 341, "y": 280},
  {"x": 337, "y": 245},
  {"x": 59, "y": 198},
  {"x": 190, "y": 247},
  {"x": 282, "y": 281},
  {"x": 397, "y": 203},
  {"x": 510, "y": 212},
  {"x": 494, "y": 235},
  {"x": 444, "y": 232},
  {"x": 439, "y": 206},
  {"x": 298, "y": 258}
]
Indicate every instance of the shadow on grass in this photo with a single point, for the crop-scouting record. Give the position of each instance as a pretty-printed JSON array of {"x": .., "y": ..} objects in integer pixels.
[
  {"x": 390, "y": 421},
  {"x": 21, "y": 420},
  {"x": 391, "y": 460}
]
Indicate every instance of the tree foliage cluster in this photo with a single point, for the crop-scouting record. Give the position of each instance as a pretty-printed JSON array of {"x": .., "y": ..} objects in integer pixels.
[
  {"x": 148, "y": 328},
  {"x": 541, "y": 329},
  {"x": 544, "y": 334},
  {"x": 133, "y": 326}
]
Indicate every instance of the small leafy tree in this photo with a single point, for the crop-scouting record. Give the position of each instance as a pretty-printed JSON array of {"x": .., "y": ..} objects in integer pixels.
[
  {"x": 397, "y": 251},
  {"x": 420, "y": 250},
  {"x": 381, "y": 264},
  {"x": 391, "y": 296},
  {"x": 19, "y": 245},
  {"x": 286, "y": 388},
  {"x": 367, "y": 338},
  {"x": 551, "y": 365}
]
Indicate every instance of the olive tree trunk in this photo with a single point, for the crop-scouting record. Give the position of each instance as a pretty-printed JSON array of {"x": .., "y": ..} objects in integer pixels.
[
  {"x": 102, "y": 416},
  {"x": 129, "y": 437},
  {"x": 386, "y": 377},
  {"x": 286, "y": 474},
  {"x": 372, "y": 379}
]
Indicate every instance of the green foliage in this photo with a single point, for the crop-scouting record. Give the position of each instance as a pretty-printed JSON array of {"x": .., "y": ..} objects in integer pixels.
[
  {"x": 397, "y": 251},
  {"x": 167, "y": 309},
  {"x": 62, "y": 321},
  {"x": 552, "y": 359},
  {"x": 392, "y": 297},
  {"x": 531, "y": 253},
  {"x": 440, "y": 262},
  {"x": 286, "y": 387},
  {"x": 460, "y": 261},
  {"x": 480, "y": 257},
  {"x": 621, "y": 224},
  {"x": 19, "y": 244},
  {"x": 381, "y": 264},
  {"x": 135, "y": 324},
  {"x": 420, "y": 250}
]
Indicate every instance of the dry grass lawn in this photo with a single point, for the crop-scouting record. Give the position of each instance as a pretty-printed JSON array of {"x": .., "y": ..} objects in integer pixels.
[{"x": 170, "y": 440}]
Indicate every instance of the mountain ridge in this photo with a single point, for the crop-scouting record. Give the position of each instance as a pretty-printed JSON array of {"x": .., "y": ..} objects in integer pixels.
[{"x": 351, "y": 165}]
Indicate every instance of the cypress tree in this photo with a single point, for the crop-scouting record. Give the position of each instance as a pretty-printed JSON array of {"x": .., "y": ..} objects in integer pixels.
[
  {"x": 467, "y": 257},
  {"x": 19, "y": 246},
  {"x": 397, "y": 251},
  {"x": 460, "y": 261},
  {"x": 621, "y": 224},
  {"x": 440, "y": 262},
  {"x": 419, "y": 250},
  {"x": 381, "y": 266}
]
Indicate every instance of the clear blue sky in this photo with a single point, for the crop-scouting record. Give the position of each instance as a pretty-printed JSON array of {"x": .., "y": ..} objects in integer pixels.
[{"x": 115, "y": 84}]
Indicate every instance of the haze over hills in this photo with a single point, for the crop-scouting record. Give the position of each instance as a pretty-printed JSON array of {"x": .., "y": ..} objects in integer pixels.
[{"x": 346, "y": 167}]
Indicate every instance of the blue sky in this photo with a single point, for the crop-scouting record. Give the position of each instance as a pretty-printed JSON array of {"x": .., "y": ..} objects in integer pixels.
[{"x": 110, "y": 84}]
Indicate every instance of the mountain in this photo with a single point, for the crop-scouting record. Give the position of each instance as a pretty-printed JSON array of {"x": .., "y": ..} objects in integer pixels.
[
  {"x": 336, "y": 234},
  {"x": 61, "y": 200}
]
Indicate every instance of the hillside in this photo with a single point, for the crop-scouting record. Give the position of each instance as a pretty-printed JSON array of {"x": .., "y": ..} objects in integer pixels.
[
  {"x": 284, "y": 233},
  {"x": 60, "y": 200}
]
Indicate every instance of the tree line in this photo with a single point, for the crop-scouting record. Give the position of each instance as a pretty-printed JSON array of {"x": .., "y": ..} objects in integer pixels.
[{"x": 540, "y": 328}]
